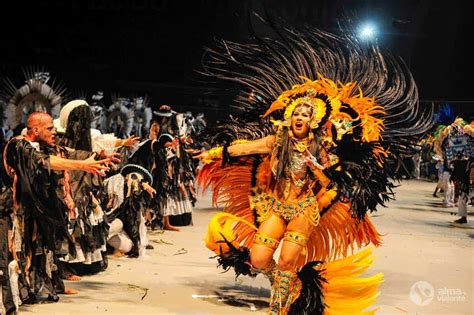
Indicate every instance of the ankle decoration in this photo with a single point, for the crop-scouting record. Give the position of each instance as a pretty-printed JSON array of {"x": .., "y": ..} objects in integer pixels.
[{"x": 286, "y": 288}]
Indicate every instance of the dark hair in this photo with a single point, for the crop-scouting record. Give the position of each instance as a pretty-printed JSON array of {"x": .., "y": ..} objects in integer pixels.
[
  {"x": 285, "y": 147},
  {"x": 78, "y": 135}
]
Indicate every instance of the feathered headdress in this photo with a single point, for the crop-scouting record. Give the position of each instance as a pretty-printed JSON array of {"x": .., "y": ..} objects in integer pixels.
[
  {"x": 445, "y": 116},
  {"x": 270, "y": 70},
  {"x": 448, "y": 125},
  {"x": 120, "y": 117},
  {"x": 35, "y": 95},
  {"x": 329, "y": 102}
]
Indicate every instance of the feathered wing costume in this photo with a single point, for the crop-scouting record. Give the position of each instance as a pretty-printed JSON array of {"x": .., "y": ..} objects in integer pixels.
[{"x": 365, "y": 113}]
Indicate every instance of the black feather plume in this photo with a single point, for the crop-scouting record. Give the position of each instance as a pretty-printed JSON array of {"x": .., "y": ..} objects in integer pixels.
[
  {"x": 311, "y": 299},
  {"x": 237, "y": 258}
]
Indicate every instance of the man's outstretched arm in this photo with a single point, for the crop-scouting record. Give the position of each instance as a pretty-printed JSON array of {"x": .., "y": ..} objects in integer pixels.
[{"x": 89, "y": 165}]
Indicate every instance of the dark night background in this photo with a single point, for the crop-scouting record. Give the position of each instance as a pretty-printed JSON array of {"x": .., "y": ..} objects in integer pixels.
[{"x": 153, "y": 46}]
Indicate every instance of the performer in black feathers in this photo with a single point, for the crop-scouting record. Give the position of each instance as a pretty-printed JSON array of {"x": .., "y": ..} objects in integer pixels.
[{"x": 303, "y": 159}]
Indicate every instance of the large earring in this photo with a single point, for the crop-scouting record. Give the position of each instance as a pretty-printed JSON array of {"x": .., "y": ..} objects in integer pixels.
[
  {"x": 311, "y": 136},
  {"x": 290, "y": 133}
]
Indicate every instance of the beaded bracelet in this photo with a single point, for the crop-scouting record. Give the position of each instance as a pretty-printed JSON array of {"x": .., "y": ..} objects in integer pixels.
[{"x": 215, "y": 153}]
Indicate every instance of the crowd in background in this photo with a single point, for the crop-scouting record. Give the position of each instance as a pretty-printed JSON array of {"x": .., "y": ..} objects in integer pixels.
[
  {"x": 445, "y": 156},
  {"x": 82, "y": 180}
]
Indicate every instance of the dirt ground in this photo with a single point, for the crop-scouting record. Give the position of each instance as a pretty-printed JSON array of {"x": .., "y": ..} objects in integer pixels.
[{"x": 427, "y": 265}]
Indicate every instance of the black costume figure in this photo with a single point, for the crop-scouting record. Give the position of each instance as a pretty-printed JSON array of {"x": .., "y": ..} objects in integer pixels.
[{"x": 39, "y": 217}]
